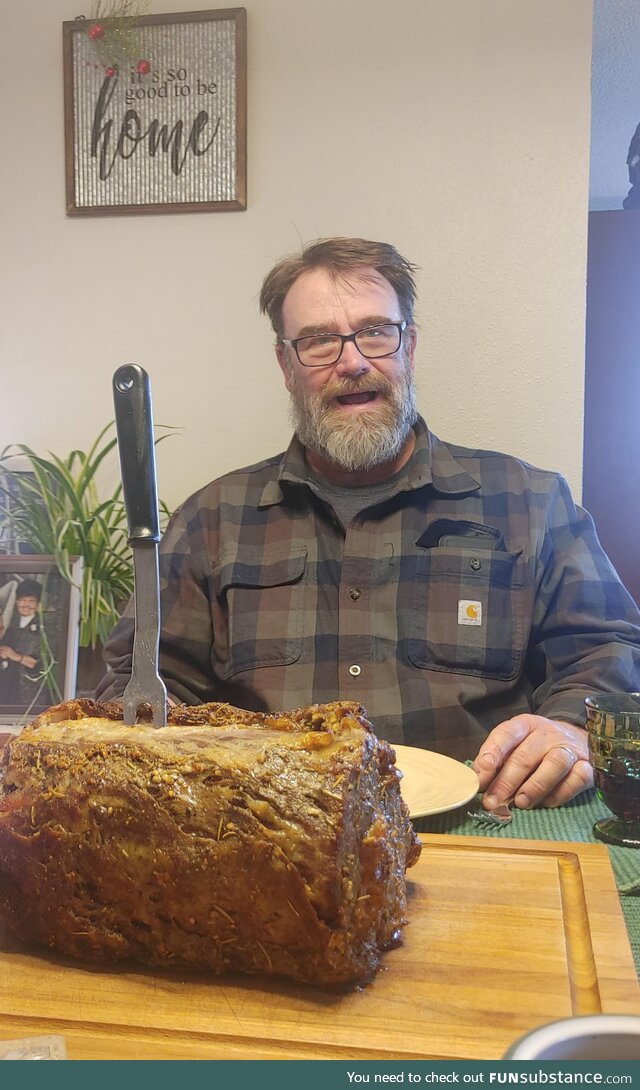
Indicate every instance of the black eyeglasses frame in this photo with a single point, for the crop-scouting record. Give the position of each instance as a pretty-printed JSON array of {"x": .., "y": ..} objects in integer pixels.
[{"x": 344, "y": 337}]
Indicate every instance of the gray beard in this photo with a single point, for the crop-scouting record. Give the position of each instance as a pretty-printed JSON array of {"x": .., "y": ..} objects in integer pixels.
[{"x": 363, "y": 440}]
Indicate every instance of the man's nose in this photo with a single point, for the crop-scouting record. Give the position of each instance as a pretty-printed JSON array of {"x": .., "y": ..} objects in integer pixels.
[{"x": 351, "y": 361}]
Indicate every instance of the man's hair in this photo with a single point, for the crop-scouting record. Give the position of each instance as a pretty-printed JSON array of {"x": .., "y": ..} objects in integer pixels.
[{"x": 340, "y": 257}]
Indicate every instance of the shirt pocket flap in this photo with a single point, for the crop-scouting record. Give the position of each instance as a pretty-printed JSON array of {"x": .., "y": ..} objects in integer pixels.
[
  {"x": 260, "y": 566},
  {"x": 461, "y": 533}
]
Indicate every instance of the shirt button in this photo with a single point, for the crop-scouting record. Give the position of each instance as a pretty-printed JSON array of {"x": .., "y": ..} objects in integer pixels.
[
  {"x": 475, "y": 563},
  {"x": 355, "y": 671},
  {"x": 354, "y": 593}
]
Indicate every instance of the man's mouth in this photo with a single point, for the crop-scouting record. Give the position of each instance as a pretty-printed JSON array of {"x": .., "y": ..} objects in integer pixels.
[{"x": 362, "y": 398}]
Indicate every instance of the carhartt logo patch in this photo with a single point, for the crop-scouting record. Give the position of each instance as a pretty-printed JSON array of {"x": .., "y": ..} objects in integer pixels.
[{"x": 469, "y": 612}]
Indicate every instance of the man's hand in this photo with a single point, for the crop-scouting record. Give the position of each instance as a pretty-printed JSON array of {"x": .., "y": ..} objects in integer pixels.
[{"x": 533, "y": 761}]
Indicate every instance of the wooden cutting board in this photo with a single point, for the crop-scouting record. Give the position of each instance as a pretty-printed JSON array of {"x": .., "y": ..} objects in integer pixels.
[{"x": 504, "y": 936}]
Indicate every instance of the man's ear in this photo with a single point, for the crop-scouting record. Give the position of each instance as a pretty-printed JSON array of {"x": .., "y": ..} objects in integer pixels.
[{"x": 283, "y": 360}]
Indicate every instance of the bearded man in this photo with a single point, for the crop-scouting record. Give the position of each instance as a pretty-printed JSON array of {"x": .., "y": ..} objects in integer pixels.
[{"x": 459, "y": 595}]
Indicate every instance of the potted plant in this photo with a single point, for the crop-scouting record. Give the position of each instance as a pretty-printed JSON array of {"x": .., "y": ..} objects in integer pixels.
[{"x": 56, "y": 509}]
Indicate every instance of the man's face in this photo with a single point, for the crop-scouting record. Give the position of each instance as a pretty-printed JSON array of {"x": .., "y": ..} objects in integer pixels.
[
  {"x": 358, "y": 412},
  {"x": 27, "y": 605}
]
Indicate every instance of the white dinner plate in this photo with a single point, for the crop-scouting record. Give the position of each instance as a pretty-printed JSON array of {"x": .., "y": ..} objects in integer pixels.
[{"x": 432, "y": 783}]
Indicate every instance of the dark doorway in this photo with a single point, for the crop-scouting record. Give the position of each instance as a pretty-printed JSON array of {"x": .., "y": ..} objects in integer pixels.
[{"x": 611, "y": 478}]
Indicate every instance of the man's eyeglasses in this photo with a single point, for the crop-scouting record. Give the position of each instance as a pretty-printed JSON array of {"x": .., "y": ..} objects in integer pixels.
[{"x": 325, "y": 349}]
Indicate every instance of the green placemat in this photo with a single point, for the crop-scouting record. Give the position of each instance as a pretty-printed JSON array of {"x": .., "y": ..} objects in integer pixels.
[{"x": 571, "y": 822}]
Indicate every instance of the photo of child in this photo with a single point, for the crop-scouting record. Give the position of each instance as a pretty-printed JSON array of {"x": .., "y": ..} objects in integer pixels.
[{"x": 39, "y": 612}]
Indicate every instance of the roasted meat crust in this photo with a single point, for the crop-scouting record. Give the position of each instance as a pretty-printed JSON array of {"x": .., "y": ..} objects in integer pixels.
[{"x": 227, "y": 840}]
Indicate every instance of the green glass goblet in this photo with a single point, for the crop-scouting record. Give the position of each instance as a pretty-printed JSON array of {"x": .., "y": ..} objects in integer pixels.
[{"x": 613, "y": 724}]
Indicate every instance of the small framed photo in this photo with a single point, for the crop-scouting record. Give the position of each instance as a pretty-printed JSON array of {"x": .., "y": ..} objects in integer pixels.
[
  {"x": 39, "y": 625},
  {"x": 155, "y": 113}
]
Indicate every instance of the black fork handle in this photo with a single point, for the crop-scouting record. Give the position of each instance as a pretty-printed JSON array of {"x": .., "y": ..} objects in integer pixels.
[{"x": 134, "y": 427}]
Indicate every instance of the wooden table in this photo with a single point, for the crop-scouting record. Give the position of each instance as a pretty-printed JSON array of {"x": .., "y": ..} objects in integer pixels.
[{"x": 504, "y": 936}]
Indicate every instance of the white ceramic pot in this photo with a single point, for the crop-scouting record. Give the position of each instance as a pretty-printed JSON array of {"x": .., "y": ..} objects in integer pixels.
[{"x": 587, "y": 1037}]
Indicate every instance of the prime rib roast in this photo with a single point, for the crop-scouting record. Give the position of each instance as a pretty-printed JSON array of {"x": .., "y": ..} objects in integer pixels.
[{"x": 226, "y": 841}]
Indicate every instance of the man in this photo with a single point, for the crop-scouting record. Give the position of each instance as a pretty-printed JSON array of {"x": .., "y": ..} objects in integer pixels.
[
  {"x": 458, "y": 594},
  {"x": 20, "y": 646}
]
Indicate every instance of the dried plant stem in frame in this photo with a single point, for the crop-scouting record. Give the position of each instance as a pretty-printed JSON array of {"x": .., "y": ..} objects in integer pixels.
[{"x": 113, "y": 31}]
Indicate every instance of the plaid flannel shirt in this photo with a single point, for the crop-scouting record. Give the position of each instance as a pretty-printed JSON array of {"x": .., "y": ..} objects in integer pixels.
[{"x": 475, "y": 591}]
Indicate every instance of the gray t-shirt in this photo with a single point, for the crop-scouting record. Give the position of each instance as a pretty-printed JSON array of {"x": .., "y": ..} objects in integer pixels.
[{"x": 348, "y": 500}]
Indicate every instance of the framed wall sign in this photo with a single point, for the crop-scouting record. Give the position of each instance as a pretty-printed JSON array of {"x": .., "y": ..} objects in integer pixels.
[
  {"x": 155, "y": 113},
  {"x": 39, "y": 624}
]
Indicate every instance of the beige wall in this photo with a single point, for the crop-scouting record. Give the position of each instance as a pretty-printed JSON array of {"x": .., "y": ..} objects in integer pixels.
[{"x": 457, "y": 129}]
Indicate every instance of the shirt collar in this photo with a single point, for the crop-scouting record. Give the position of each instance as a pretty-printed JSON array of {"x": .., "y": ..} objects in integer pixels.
[{"x": 431, "y": 463}]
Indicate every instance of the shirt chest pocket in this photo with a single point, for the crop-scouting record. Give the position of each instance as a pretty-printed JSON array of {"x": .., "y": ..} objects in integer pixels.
[
  {"x": 260, "y": 593},
  {"x": 467, "y": 616}
]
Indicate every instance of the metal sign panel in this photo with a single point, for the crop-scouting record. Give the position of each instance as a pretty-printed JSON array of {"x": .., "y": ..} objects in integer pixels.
[{"x": 159, "y": 126}]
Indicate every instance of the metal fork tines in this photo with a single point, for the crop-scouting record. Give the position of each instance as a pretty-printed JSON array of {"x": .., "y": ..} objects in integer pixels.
[{"x": 145, "y": 685}]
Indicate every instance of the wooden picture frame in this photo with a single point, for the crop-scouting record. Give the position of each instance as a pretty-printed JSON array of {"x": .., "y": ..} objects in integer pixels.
[
  {"x": 49, "y": 635},
  {"x": 162, "y": 134}
]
